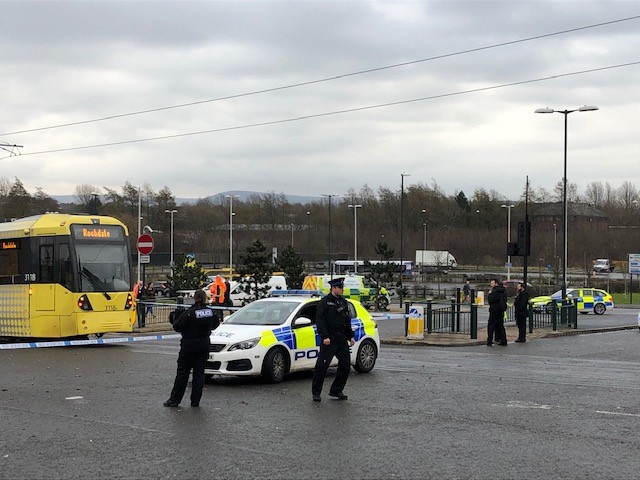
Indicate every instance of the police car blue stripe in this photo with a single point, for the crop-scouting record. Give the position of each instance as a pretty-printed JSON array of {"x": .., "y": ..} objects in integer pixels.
[
  {"x": 286, "y": 336},
  {"x": 358, "y": 332},
  {"x": 97, "y": 341}
]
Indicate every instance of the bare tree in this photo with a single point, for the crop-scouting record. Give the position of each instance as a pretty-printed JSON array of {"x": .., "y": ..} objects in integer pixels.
[
  {"x": 83, "y": 193},
  {"x": 5, "y": 187},
  {"x": 572, "y": 192},
  {"x": 627, "y": 193},
  {"x": 594, "y": 194}
]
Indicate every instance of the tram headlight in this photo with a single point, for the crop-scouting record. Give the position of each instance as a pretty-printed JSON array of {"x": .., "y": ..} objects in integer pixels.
[{"x": 84, "y": 304}]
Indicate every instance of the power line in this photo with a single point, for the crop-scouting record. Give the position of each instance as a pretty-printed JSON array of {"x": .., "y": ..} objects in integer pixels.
[
  {"x": 336, "y": 112},
  {"x": 321, "y": 80}
]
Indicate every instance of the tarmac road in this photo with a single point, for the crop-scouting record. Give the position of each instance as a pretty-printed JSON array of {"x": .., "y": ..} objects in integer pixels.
[{"x": 552, "y": 408}]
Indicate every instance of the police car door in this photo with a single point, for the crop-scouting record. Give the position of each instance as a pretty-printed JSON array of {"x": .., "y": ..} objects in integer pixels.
[{"x": 307, "y": 340}]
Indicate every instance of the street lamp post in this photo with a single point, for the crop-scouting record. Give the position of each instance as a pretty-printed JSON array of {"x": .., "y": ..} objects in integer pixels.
[
  {"x": 308, "y": 235},
  {"x": 231, "y": 197},
  {"x": 330, "y": 196},
  {"x": 171, "y": 212},
  {"x": 402, "y": 175},
  {"x": 508, "y": 207},
  {"x": 424, "y": 237},
  {"x": 355, "y": 236},
  {"x": 291, "y": 234},
  {"x": 586, "y": 108}
]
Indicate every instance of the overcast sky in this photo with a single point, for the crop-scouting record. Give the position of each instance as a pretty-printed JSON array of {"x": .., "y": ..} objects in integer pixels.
[{"x": 66, "y": 62}]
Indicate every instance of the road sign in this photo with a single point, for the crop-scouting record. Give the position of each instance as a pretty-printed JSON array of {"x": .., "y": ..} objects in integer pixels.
[
  {"x": 145, "y": 244},
  {"x": 145, "y": 258},
  {"x": 634, "y": 263}
]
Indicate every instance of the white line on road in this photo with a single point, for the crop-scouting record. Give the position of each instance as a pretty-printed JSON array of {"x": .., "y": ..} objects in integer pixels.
[{"x": 618, "y": 413}]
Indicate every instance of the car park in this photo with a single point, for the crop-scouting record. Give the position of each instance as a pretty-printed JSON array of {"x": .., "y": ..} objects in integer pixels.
[
  {"x": 159, "y": 289},
  {"x": 274, "y": 336},
  {"x": 586, "y": 299}
]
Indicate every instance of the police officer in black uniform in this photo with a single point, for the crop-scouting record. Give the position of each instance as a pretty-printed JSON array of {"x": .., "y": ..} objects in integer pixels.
[
  {"x": 334, "y": 327},
  {"x": 521, "y": 312},
  {"x": 195, "y": 324}
]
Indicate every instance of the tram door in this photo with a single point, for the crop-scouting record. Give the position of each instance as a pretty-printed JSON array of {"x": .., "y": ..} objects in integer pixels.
[{"x": 45, "y": 292}]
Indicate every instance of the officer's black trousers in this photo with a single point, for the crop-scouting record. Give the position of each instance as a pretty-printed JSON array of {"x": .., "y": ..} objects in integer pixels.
[
  {"x": 339, "y": 348},
  {"x": 193, "y": 355},
  {"x": 495, "y": 327},
  {"x": 521, "y": 322}
]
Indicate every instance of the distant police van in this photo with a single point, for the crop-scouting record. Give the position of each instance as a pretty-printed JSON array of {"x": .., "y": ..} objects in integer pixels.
[{"x": 274, "y": 336}]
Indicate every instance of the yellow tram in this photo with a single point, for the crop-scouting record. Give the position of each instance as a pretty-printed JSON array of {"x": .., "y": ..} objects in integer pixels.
[{"x": 65, "y": 276}]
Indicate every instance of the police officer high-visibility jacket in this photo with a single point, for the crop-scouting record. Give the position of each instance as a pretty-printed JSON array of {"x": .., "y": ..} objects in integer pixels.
[
  {"x": 332, "y": 318},
  {"x": 218, "y": 291}
]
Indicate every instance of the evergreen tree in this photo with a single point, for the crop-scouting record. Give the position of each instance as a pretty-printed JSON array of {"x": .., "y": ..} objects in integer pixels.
[
  {"x": 255, "y": 265},
  {"x": 186, "y": 277},
  {"x": 292, "y": 266},
  {"x": 382, "y": 272}
]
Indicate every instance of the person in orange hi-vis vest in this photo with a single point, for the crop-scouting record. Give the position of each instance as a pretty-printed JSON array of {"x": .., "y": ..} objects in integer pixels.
[{"x": 218, "y": 291}]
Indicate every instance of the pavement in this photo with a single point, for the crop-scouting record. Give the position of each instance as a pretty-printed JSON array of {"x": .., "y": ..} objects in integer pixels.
[{"x": 454, "y": 339}]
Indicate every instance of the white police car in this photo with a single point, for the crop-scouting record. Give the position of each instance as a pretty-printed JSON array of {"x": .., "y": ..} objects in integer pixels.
[{"x": 274, "y": 336}]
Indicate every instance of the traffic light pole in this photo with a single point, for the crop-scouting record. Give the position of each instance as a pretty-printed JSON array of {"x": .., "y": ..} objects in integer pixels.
[{"x": 526, "y": 233}]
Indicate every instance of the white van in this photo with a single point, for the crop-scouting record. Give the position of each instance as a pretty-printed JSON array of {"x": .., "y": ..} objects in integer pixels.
[{"x": 242, "y": 293}]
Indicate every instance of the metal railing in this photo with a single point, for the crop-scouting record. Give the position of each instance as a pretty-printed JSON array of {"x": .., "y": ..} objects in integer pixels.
[
  {"x": 446, "y": 317},
  {"x": 565, "y": 314},
  {"x": 153, "y": 313}
]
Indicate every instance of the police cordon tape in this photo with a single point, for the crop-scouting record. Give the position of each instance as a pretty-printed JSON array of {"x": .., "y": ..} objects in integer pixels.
[
  {"x": 395, "y": 316},
  {"x": 96, "y": 341},
  {"x": 106, "y": 341}
]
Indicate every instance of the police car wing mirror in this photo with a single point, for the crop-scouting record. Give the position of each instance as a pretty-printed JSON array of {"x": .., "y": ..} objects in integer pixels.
[{"x": 302, "y": 322}]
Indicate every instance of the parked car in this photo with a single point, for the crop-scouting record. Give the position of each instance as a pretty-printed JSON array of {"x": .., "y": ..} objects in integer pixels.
[
  {"x": 603, "y": 265},
  {"x": 160, "y": 289},
  {"x": 587, "y": 300},
  {"x": 274, "y": 336}
]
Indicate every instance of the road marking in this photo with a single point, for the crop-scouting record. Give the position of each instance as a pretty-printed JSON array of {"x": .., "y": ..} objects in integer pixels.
[
  {"x": 518, "y": 404},
  {"x": 618, "y": 413},
  {"x": 74, "y": 398}
]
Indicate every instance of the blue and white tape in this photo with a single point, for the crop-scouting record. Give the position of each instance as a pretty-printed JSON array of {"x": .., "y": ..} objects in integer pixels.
[
  {"x": 394, "y": 316},
  {"x": 96, "y": 341}
]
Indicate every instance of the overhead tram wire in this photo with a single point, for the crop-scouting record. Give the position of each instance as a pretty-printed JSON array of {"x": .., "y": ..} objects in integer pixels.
[
  {"x": 326, "y": 114},
  {"x": 322, "y": 80}
]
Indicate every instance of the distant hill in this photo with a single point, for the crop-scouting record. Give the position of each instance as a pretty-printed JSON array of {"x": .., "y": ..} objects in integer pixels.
[{"x": 243, "y": 194}]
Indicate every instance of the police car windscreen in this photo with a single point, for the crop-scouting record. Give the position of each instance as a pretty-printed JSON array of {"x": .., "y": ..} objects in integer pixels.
[{"x": 263, "y": 312}]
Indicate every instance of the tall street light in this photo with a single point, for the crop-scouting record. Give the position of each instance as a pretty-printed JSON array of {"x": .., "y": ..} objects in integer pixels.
[
  {"x": 402, "y": 175},
  {"x": 291, "y": 234},
  {"x": 508, "y": 207},
  {"x": 171, "y": 212},
  {"x": 308, "y": 234},
  {"x": 330, "y": 196},
  {"x": 355, "y": 236},
  {"x": 424, "y": 239},
  {"x": 586, "y": 108},
  {"x": 231, "y": 197}
]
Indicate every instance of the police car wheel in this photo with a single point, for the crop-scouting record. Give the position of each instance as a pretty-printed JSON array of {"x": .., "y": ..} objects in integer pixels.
[
  {"x": 599, "y": 309},
  {"x": 366, "y": 358},
  {"x": 275, "y": 366}
]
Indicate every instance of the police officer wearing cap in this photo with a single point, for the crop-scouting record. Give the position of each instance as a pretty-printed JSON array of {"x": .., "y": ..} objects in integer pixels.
[
  {"x": 195, "y": 324},
  {"x": 334, "y": 327}
]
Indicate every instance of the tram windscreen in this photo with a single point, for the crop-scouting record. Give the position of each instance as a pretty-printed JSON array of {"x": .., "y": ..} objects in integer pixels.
[{"x": 102, "y": 261}]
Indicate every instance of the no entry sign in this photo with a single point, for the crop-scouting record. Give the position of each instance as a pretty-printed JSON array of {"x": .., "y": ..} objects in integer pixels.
[{"x": 145, "y": 244}]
